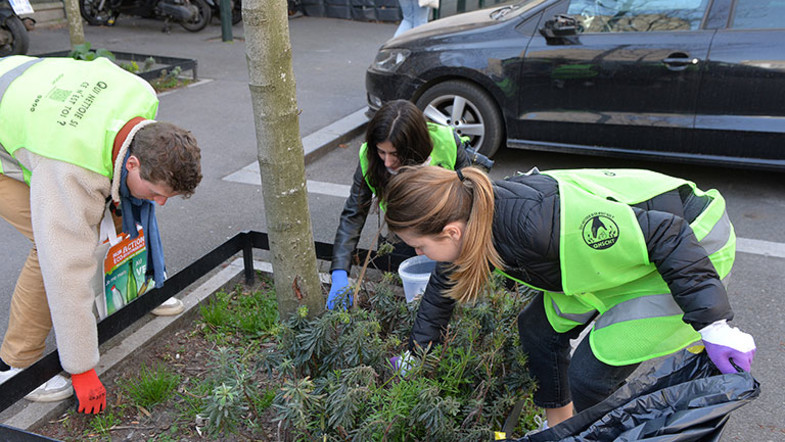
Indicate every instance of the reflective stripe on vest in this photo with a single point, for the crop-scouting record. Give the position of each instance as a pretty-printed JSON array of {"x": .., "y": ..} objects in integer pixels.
[
  {"x": 718, "y": 236},
  {"x": 652, "y": 306},
  {"x": 13, "y": 74},
  {"x": 580, "y": 318},
  {"x": 8, "y": 164}
]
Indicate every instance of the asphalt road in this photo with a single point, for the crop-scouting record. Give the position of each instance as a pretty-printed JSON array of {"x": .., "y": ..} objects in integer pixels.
[{"x": 330, "y": 57}]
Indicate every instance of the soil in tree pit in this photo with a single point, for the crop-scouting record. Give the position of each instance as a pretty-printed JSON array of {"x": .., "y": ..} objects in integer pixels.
[{"x": 160, "y": 392}]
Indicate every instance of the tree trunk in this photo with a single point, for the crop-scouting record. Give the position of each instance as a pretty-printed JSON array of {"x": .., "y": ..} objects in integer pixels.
[
  {"x": 281, "y": 156},
  {"x": 75, "y": 29}
]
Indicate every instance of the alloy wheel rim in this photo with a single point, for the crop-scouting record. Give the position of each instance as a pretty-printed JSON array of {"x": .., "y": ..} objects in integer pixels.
[{"x": 458, "y": 112}]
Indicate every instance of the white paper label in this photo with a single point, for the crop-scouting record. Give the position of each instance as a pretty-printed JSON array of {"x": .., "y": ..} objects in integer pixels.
[{"x": 21, "y": 6}]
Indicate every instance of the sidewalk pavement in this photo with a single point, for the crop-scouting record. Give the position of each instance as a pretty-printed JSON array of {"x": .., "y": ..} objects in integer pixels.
[{"x": 330, "y": 57}]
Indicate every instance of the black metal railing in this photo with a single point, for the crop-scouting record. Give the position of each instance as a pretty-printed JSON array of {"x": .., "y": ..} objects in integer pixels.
[{"x": 30, "y": 378}]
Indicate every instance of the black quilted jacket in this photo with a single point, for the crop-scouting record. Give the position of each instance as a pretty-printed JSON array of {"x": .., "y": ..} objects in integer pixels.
[{"x": 526, "y": 235}]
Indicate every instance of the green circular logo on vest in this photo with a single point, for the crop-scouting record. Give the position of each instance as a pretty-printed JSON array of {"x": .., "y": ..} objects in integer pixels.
[{"x": 600, "y": 231}]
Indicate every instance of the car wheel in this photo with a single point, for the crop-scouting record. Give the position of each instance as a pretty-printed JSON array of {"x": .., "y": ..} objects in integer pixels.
[{"x": 467, "y": 108}]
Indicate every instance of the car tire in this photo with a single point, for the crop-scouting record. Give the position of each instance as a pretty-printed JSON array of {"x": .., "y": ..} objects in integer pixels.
[{"x": 479, "y": 117}]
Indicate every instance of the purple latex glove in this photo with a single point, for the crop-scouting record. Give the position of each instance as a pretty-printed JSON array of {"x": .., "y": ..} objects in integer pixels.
[
  {"x": 402, "y": 362},
  {"x": 725, "y": 343}
]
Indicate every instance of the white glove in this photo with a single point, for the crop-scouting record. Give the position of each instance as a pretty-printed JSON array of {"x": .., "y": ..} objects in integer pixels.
[{"x": 725, "y": 343}]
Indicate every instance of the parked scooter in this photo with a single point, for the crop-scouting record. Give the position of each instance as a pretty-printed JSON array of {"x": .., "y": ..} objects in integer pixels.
[
  {"x": 193, "y": 15},
  {"x": 14, "y": 39}
]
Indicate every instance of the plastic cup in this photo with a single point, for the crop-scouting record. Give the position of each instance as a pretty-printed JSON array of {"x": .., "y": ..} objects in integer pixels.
[{"x": 415, "y": 273}]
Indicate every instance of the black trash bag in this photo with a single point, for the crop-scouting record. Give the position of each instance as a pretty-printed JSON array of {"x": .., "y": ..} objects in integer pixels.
[{"x": 684, "y": 398}]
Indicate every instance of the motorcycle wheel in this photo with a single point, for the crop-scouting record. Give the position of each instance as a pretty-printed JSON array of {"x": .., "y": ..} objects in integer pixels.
[
  {"x": 201, "y": 19},
  {"x": 97, "y": 12},
  {"x": 15, "y": 37}
]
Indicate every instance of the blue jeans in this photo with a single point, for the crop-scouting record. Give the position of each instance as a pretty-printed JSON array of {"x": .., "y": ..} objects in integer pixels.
[
  {"x": 584, "y": 379},
  {"x": 413, "y": 15}
]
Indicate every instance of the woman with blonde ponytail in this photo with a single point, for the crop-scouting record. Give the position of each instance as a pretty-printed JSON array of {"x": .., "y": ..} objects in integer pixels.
[
  {"x": 640, "y": 255},
  {"x": 457, "y": 210}
]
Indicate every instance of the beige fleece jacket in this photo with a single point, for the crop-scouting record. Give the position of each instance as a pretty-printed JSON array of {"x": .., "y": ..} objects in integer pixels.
[{"x": 67, "y": 203}]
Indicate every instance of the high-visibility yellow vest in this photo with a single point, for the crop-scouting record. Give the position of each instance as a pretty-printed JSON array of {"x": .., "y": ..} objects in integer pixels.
[
  {"x": 68, "y": 110},
  {"x": 605, "y": 267}
]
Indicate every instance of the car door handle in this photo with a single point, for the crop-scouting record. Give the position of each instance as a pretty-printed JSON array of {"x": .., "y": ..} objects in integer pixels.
[
  {"x": 676, "y": 60},
  {"x": 679, "y": 61}
]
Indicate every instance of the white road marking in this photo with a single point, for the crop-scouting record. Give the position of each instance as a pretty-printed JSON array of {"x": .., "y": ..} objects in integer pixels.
[
  {"x": 339, "y": 190},
  {"x": 760, "y": 247},
  {"x": 250, "y": 175}
]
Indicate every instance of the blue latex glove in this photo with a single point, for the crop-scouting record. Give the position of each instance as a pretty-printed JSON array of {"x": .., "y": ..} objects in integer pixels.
[
  {"x": 725, "y": 344},
  {"x": 338, "y": 290}
]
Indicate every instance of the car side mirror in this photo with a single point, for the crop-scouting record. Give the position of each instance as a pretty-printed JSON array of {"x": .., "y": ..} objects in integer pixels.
[{"x": 559, "y": 26}]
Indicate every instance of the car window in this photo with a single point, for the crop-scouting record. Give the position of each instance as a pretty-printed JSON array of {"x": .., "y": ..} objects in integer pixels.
[
  {"x": 637, "y": 15},
  {"x": 758, "y": 14}
]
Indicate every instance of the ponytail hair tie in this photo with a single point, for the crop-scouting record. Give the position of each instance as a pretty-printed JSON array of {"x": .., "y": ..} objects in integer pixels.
[{"x": 460, "y": 175}]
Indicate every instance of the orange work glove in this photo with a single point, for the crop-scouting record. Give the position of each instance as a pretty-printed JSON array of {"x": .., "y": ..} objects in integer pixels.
[{"x": 90, "y": 392}]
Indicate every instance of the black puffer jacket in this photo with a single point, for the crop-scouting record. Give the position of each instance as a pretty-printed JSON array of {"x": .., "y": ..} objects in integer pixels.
[
  {"x": 355, "y": 212},
  {"x": 526, "y": 235}
]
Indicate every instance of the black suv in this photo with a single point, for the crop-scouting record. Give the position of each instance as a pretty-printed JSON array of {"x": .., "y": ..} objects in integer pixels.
[{"x": 681, "y": 80}]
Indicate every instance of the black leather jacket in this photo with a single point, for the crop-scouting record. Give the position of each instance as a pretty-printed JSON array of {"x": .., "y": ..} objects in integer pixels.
[
  {"x": 355, "y": 212},
  {"x": 526, "y": 235}
]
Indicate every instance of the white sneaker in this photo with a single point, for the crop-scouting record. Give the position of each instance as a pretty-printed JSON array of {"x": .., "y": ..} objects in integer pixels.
[
  {"x": 170, "y": 307},
  {"x": 53, "y": 390},
  {"x": 8, "y": 374}
]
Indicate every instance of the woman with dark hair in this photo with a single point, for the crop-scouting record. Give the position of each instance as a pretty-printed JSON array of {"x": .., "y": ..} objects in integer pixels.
[
  {"x": 644, "y": 256},
  {"x": 397, "y": 136}
]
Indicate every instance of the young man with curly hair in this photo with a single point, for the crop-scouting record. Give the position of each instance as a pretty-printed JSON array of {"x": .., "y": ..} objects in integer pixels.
[{"x": 76, "y": 138}]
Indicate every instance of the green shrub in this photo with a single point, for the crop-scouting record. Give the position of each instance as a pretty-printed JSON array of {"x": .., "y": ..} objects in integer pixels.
[
  {"x": 338, "y": 384},
  {"x": 331, "y": 375}
]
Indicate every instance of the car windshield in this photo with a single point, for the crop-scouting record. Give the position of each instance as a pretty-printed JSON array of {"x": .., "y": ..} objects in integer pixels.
[{"x": 506, "y": 11}]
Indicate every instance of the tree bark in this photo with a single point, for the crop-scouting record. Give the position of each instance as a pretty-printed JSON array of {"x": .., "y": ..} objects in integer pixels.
[
  {"x": 75, "y": 29},
  {"x": 281, "y": 156}
]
